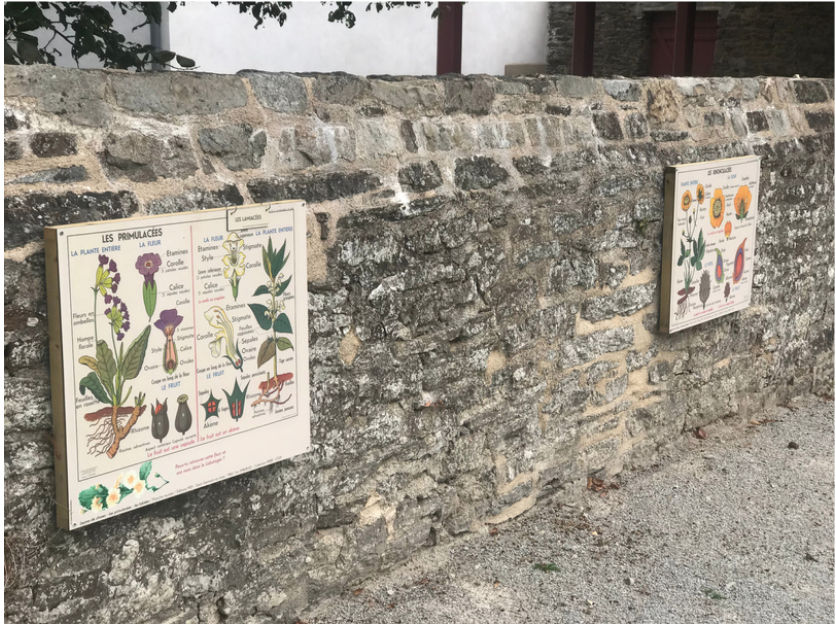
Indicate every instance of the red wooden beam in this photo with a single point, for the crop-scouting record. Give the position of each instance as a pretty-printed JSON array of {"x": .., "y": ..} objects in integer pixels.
[
  {"x": 583, "y": 38},
  {"x": 683, "y": 39},
  {"x": 449, "y": 38}
]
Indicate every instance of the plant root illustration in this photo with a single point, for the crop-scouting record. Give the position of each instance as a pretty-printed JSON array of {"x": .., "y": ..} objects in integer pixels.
[
  {"x": 738, "y": 262},
  {"x": 159, "y": 420},
  {"x": 224, "y": 342},
  {"x": 705, "y": 287},
  {"x": 271, "y": 389},
  {"x": 168, "y": 322},
  {"x": 112, "y": 367},
  {"x": 271, "y": 318},
  {"x": 719, "y": 271},
  {"x": 742, "y": 202},
  {"x": 727, "y": 291},
  {"x": 99, "y": 497},
  {"x": 234, "y": 261},
  {"x": 236, "y": 400},
  {"x": 692, "y": 256},
  {"x": 148, "y": 265},
  {"x": 211, "y": 406},
  {"x": 183, "y": 419}
]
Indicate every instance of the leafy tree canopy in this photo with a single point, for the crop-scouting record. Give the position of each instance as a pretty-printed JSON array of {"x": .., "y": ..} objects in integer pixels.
[{"x": 88, "y": 29}]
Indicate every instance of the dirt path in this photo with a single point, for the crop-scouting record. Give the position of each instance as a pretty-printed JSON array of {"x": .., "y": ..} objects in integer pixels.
[{"x": 736, "y": 528}]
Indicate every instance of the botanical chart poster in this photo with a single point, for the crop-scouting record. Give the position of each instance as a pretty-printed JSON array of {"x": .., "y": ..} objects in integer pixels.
[
  {"x": 182, "y": 353},
  {"x": 711, "y": 212}
]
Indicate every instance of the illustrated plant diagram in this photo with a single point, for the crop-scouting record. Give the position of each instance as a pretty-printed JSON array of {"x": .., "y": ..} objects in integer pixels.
[
  {"x": 691, "y": 250},
  {"x": 99, "y": 497},
  {"x": 112, "y": 367},
  {"x": 224, "y": 342},
  {"x": 168, "y": 322},
  {"x": 148, "y": 265},
  {"x": 234, "y": 261},
  {"x": 271, "y": 319}
]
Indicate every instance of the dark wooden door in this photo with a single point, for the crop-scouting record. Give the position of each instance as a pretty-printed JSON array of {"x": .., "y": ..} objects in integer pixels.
[{"x": 661, "y": 43}]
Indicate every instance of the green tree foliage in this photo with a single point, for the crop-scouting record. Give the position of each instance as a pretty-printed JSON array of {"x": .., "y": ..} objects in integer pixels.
[{"x": 88, "y": 29}]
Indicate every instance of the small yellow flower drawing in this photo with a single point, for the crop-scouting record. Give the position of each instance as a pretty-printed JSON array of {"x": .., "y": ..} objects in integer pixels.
[
  {"x": 114, "y": 497},
  {"x": 96, "y": 504},
  {"x": 139, "y": 488},
  {"x": 234, "y": 261}
]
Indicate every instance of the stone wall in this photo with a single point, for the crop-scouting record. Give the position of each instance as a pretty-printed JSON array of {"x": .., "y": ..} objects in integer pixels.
[
  {"x": 753, "y": 38},
  {"x": 484, "y": 259}
]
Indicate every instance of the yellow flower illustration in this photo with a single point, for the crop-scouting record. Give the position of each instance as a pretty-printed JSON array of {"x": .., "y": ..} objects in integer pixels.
[
  {"x": 139, "y": 487},
  {"x": 113, "y": 497},
  {"x": 96, "y": 504},
  {"x": 687, "y": 200},
  {"x": 717, "y": 208},
  {"x": 742, "y": 202},
  {"x": 130, "y": 479}
]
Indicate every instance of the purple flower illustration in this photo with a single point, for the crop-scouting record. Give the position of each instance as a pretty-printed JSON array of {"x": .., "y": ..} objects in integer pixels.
[
  {"x": 103, "y": 260},
  {"x": 148, "y": 265},
  {"x": 169, "y": 320}
]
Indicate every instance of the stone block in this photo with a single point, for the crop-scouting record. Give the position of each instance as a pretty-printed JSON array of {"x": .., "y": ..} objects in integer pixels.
[
  {"x": 408, "y": 135},
  {"x": 408, "y": 95},
  {"x": 757, "y": 121},
  {"x": 143, "y": 158},
  {"x": 471, "y": 96},
  {"x": 11, "y": 151},
  {"x": 820, "y": 121},
  {"x": 78, "y": 97},
  {"x": 669, "y": 135},
  {"x": 196, "y": 199},
  {"x": 313, "y": 188},
  {"x": 808, "y": 91},
  {"x": 714, "y": 119},
  {"x": 479, "y": 172},
  {"x": 623, "y": 90},
  {"x": 501, "y": 135},
  {"x": 607, "y": 125},
  {"x": 636, "y": 125},
  {"x": 578, "y": 87},
  {"x": 447, "y": 136},
  {"x": 558, "y": 110},
  {"x": 27, "y": 215},
  {"x": 54, "y": 176},
  {"x": 339, "y": 88},
  {"x": 53, "y": 144},
  {"x": 10, "y": 122},
  {"x": 420, "y": 176},
  {"x": 543, "y": 132},
  {"x": 178, "y": 93},
  {"x": 622, "y": 302},
  {"x": 586, "y": 348},
  {"x": 280, "y": 92},
  {"x": 238, "y": 146}
]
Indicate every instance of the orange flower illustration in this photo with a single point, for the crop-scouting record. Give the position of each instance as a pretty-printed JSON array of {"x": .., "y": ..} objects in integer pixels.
[
  {"x": 728, "y": 229},
  {"x": 717, "y": 208},
  {"x": 700, "y": 194},
  {"x": 742, "y": 202},
  {"x": 686, "y": 201}
]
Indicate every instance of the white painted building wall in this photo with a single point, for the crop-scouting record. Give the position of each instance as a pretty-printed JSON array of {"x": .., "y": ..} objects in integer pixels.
[{"x": 399, "y": 41}]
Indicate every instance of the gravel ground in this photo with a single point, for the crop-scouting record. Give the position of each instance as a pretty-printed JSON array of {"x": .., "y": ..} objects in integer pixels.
[{"x": 735, "y": 528}]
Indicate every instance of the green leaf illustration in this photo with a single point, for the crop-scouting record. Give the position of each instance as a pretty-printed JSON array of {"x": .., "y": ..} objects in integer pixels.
[
  {"x": 265, "y": 260},
  {"x": 282, "y": 324},
  {"x": 266, "y": 352},
  {"x": 149, "y": 297},
  {"x": 145, "y": 470},
  {"x": 278, "y": 261},
  {"x": 135, "y": 356},
  {"x": 262, "y": 316},
  {"x": 92, "y": 382},
  {"x": 283, "y": 286},
  {"x": 85, "y": 497},
  {"x": 283, "y": 343},
  {"x": 106, "y": 364},
  {"x": 261, "y": 290}
]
